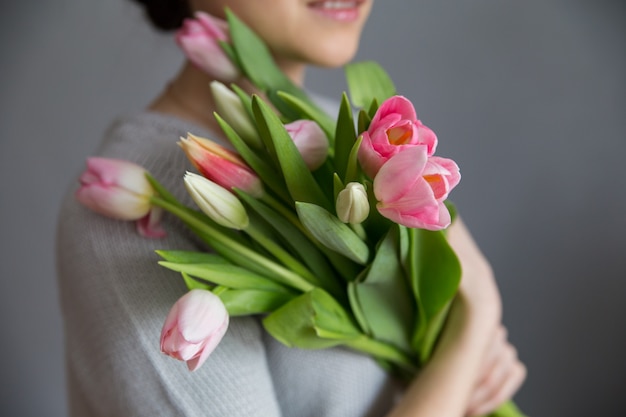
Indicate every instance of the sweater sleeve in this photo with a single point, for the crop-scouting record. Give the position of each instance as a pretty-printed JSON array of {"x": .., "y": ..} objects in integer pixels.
[{"x": 115, "y": 297}]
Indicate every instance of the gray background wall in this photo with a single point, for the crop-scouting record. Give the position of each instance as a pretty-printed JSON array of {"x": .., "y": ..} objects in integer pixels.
[{"x": 528, "y": 96}]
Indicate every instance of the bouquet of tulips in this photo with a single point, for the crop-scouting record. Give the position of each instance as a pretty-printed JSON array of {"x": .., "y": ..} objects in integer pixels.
[{"x": 332, "y": 229}]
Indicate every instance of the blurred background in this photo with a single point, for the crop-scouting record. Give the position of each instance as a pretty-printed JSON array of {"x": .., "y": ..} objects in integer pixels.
[{"x": 529, "y": 97}]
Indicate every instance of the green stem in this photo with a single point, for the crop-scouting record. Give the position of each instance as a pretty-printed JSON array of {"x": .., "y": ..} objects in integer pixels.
[
  {"x": 231, "y": 247},
  {"x": 381, "y": 350},
  {"x": 281, "y": 254},
  {"x": 342, "y": 265},
  {"x": 286, "y": 212},
  {"x": 359, "y": 230}
]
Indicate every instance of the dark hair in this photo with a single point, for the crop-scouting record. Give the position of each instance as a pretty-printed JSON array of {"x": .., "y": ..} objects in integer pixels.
[{"x": 166, "y": 14}]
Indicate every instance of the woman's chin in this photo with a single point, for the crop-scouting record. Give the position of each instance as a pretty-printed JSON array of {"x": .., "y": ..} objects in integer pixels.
[{"x": 333, "y": 57}]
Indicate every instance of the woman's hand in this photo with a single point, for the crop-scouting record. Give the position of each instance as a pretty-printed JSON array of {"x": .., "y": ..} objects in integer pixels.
[
  {"x": 500, "y": 377},
  {"x": 501, "y": 372}
]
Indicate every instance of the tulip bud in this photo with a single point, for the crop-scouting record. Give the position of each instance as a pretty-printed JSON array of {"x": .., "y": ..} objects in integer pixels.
[
  {"x": 352, "y": 204},
  {"x": 119, "y": 189},
  {"x": 221, "y": 165},
  {"x": 230, "y": 108},
  {"x": 216, "y": 202},
  {"x": 310, "y": 141},
  {"x": 200, "y": 39},
  {"x": 194, "y": 327},
  {"x": 115, "y": 188}
]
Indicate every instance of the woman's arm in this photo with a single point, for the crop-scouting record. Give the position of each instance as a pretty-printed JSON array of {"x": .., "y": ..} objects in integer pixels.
[{"x": 473, "y": 369}]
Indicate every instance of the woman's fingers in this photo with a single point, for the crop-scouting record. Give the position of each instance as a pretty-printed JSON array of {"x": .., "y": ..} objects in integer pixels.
[
  {"x": 499, "y": 339},
  {"x": 502, "y": 375},
  {"x": 505, "y": 392}
]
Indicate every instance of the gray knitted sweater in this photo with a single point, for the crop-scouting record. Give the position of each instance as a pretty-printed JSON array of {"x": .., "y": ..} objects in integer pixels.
[{"x": 115, "y": 298}]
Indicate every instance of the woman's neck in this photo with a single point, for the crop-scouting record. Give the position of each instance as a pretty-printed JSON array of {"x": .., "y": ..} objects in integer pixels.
[{"x": 188, "y": 96}]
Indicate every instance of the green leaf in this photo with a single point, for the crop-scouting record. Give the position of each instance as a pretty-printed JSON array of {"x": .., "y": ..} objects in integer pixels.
[
  {"x": 383, "y": 297},
  {"x": 256, "y": 61},
  {"x": 230, "y": 53},
  {"x": 299, "y": 244},
  {"x": 196, "y": 284},
  {"x": 345, "y": 136},
  {"x": 237, "y": 252},
  {"x": 338, "y": 186},
  {"x": 332, "y": 233},
  {"x": 368, "y": 81},
  {"x": 364, "y": 121},
  {"x": 352, "y": 169},
  {"x": 248, "y": 302},
  {"x": 190, "y": 257},
  {"x": 300, "y": 181},
  {"x": 373, "y": 108},
  {"x": 255, "y": 58},
  {"x": 227, "y": 275},
  {"x": 251, "y": 139},
  {"x": 508, "y": 409},
  {"x": 161, "y": 191},
  {"x": 425, "y": 338},
  {"x": 307, "y": 110},
  {"x": 435, "y": 270},
  {"x": 314, "y": 320},
  {"x": 357, "y": 308},
  {"x": 254, "y": 158}
]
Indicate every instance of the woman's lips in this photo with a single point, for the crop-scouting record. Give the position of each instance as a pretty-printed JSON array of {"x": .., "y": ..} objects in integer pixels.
[{"x": 339, "y": 10}]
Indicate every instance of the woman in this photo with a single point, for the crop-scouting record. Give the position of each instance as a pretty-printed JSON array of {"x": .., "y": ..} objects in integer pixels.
[{"x": 115, "y": 297}]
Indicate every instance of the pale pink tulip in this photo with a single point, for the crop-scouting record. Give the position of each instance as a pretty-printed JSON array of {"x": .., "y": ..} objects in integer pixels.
[
  {"x": 119, "y": 189},
  {"x": 395, "y": 127},
  {"x": 411, "y": 188},
  {"x": 221, "y": 165},
  {"x": 200, "y": 38},
  {"x": 194, "y": 327},
  {"x": 310, "y": 141}
]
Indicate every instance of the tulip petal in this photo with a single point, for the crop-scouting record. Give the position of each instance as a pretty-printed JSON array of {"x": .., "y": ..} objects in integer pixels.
[
  {"x": 111, "y": 201},
  {"x": 310, "y": 140},
  {"x": 414, "y": 209},
  {"x": 216, "y": 28},
  {"x": 200, "y": 315},
  {"x": 200, "y": 40},
  {"x": 398, "y": 105},
  {"x": 216, "y": 202},
  {"x": 209, "y": 347},
  {"x": 426, "y": 136},
  {"x": 369, "y": 158},
  {"x": 149, "y": 226},
  {"x": 396, "y": 177},
  {"x": 446, "y": 167},
  {"x": 221, "y": 165},
  {"x": 124, "y": 174}
]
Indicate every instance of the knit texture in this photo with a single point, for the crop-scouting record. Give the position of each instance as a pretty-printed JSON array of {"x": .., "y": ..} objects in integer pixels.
[{"x": 115, "y": 298}]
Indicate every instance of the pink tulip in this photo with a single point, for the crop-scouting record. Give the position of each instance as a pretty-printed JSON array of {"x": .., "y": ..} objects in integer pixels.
[
  {"x": 200, "y": 38},
  {"x": 411, "y": 188},
  {"x": 394, "y": 128},
  {"x": 119, "y": 189},
  {"x": 194, "y": 327},
  {"x": 220, "y": 165},
  {"x": 310, "y": 141}
]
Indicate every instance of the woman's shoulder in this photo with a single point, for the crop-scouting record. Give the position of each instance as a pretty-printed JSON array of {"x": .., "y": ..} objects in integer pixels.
[{"x": 146, "y": 135}]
